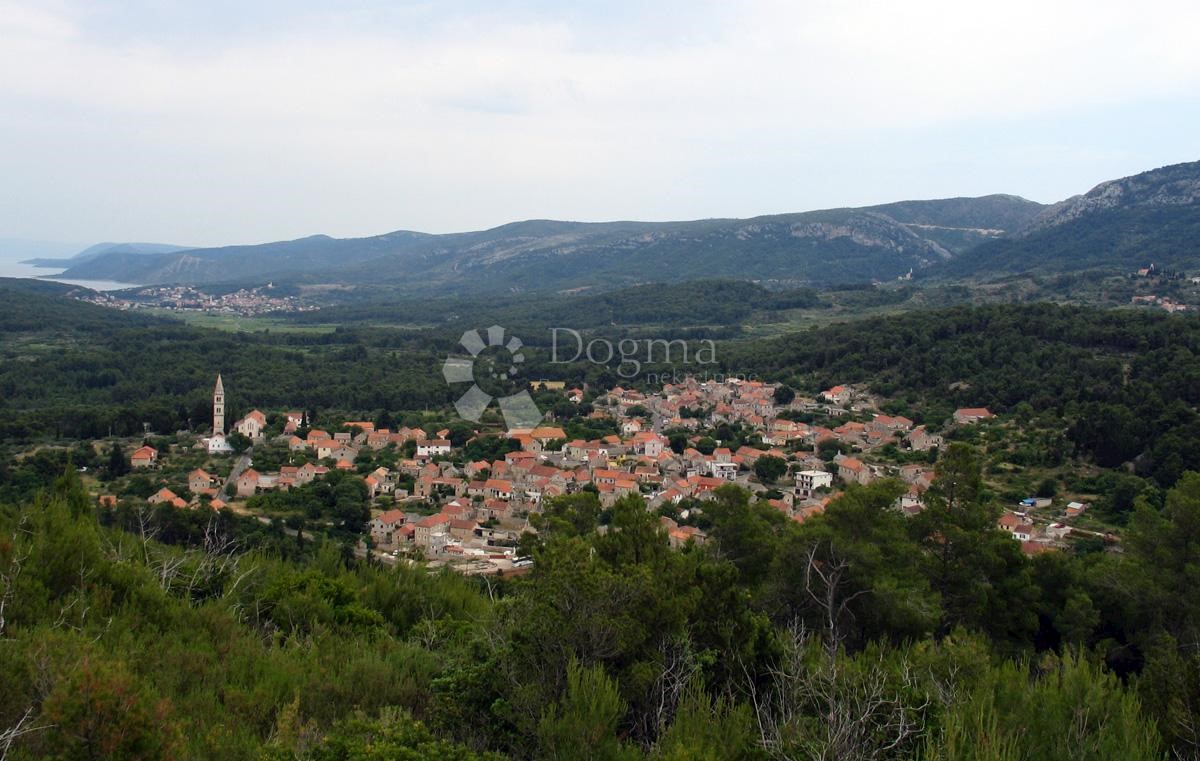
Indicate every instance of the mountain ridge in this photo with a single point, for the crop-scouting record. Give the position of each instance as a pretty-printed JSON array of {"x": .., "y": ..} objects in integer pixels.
[
  {"x": 1118, "y": 226},
  {"x": 822, "y": 246},
  {"x": 103, "y": 249}
]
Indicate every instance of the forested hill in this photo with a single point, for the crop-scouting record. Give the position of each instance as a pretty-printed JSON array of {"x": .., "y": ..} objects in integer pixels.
[
  {"x": 46, "y": 308},
  {"x": 69, "y": 369},
  {"x": 830, "y": 246},
  {"x": 103, "y": 249},
  {"x": 641, "y": 307},
  {"x": 1119, "y": 226}
]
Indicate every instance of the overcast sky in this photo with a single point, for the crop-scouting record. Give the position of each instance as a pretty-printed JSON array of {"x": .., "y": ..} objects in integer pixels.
[{"x": 225, "y": 121}]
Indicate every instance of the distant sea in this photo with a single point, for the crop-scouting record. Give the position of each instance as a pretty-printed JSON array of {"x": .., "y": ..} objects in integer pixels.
[{"x": 14, "y": 268}]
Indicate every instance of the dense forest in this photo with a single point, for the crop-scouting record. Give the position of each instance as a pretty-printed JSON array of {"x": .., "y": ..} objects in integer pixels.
[
  {"x": 1120, "y": 241},
  {"x": 74, "y": 370},
  {"x": 858, "y": 634},
  {"x": 696, "y": 303}
]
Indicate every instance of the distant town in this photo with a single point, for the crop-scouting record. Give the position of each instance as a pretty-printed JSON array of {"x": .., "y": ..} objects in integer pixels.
[
  {"x": 1148, "y": 286},
  {"x": 245, "y": 302}
]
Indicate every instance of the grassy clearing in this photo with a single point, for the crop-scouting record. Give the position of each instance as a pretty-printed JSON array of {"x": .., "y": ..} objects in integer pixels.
[{"x": 239, "y": 324}]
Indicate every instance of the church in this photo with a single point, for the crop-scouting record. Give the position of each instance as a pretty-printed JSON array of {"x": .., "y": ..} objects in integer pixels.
[{"x": 216, "y": 444}]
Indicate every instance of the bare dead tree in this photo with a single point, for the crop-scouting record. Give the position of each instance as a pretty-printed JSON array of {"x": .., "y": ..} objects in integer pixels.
[
  {"x": 73, "y": 615},
  {"x": 10, "y": 735},
  {"x": 813, "y": 708},
  {"x": 147, "y": 529},
  {"x": 868, "y": 718},
  {"x": 425, "y": 632},
  {"x": 166, "y": 567},
  {"x": 824, "y": 583},
  {"x": 946, "y": 687},
  {"x": 238, "y": 580},
  {"x": 489, "y": 585},
  {"x": 1187, "y": 728},
  {"x": 217, "y": 559},
  {"x": 776, "y": 708},
  {"x": 114, "y": 546},
  {"x": 16, "y": 562},
  {"x": 678, "y": 668}
]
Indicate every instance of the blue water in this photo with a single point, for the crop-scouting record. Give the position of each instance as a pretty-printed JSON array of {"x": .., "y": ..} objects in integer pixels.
[{"x": 14, "y": 268}]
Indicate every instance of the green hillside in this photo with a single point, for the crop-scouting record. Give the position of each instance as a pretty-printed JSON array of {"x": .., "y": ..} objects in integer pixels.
[
  {"x": 1117, "y": 227},
  {"x": 1117, "y": 241}
]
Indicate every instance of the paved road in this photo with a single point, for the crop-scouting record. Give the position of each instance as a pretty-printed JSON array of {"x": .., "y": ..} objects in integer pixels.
[{"x": 242, "y": 463}]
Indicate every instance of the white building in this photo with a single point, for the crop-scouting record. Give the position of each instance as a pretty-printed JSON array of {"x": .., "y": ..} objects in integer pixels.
[
  {"x": 432, "y": 447},
  {"x": 726, "y": 471},
  {"x": 808, "y": 481},
  {"x": 216, "y": 444}
]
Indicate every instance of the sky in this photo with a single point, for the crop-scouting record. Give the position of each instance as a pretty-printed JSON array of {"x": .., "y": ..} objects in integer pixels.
[{"x": 241, "y": 122}]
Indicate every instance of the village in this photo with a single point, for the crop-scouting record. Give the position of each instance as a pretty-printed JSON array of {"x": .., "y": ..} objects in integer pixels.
[
  {"x": 244, "y": 302},
  {"x": 430, "y": 502}
]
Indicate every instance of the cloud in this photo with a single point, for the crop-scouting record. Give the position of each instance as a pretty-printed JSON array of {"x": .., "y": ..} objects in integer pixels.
[{"x": 446, "y": 120}]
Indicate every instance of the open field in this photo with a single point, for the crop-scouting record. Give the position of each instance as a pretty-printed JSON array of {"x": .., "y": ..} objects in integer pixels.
[{"x": 239, "y": 324}]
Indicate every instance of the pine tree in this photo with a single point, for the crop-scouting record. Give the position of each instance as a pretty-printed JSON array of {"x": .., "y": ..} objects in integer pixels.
[{"x": 117, "y": 464}]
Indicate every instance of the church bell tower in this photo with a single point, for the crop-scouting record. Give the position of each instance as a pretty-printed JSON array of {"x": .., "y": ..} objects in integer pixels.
[{"x": 219, "y": 408}]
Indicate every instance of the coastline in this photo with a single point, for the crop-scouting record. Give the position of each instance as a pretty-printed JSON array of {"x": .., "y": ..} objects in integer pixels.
[{"x": 18, "y": 269}]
